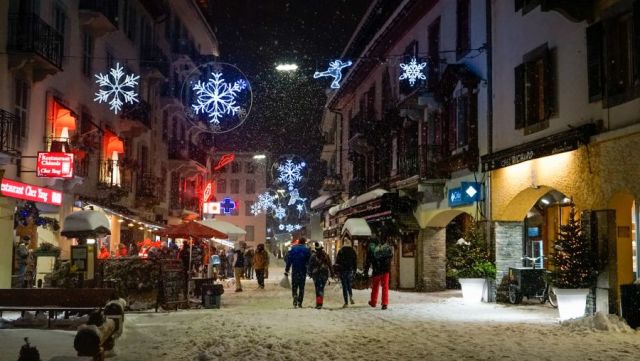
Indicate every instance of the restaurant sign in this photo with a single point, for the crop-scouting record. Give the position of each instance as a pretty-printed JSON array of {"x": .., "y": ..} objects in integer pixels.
[
  {"x": 13, "y": 189},
  {"x": 54, "y": 165}
]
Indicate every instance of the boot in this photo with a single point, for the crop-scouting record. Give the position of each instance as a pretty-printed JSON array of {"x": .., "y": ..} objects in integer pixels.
[
  {"x": 345, "y": 305},
  {"x": 351, "y": 299},
  {"x": 318, "y": 306}
]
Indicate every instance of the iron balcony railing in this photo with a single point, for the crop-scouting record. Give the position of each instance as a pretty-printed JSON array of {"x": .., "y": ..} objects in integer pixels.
[
  {"x": 140, "y": 111},
  {"x": 153, "y": 58},
  {"x": 113, "y": 174},
  {"x": 108, "y": 8},
  {"x": 9, "y": 133},
  {"x": 147, "y": 186},
  {"x": 28, "y": 33}
]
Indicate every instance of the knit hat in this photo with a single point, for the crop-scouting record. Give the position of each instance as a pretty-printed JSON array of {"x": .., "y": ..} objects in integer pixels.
[{"x": 318, "y": 245}]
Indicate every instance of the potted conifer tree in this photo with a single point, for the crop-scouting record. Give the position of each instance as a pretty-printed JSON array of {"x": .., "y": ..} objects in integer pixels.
[
  {"x": 469, "y": 261},
  {"x": 573, "y": 271}
]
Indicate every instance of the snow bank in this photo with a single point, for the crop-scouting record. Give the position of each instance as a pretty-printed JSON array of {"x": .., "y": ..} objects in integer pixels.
[{"x": 598, "y": 322}]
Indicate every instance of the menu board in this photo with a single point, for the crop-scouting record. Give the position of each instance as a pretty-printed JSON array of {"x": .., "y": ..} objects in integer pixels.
[{"x": 172, "y": 283}]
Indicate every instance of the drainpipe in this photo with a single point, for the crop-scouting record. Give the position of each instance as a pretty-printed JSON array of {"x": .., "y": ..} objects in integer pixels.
[{"x": 489, "y": 47}]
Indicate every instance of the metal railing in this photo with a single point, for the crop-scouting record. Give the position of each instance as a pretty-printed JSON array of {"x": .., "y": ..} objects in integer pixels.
[
  {"x": 9, "y": 132},
  {"x": 28, "y": 33},
  {"x": 113, "y": 174},
  {"x": 108, "y": 8},
  {"x": 147, "y": 186},
  {"x": 140, "y": 111}
]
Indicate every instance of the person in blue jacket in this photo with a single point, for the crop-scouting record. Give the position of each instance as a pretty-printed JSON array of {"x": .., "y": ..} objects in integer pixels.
[{"x": 298, "y": 259}]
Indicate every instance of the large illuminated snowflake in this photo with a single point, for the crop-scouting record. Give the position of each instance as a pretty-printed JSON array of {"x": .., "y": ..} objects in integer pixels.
[
  {"x": 413, "y": 71},
  {"x": 217, "y": 97},
  {"x": 289, "y": 173},
  {"x": 266, "y": 201},
  {"x": 256, "y": 209},
  {"x": 117, "y": 91}
]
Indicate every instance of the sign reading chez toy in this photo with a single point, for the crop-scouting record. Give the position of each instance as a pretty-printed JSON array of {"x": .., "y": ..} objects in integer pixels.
[
  {"x": 10, "y": 188},
  {"x": 54, "y": 165},
  {"x": 467, "y": 193}
]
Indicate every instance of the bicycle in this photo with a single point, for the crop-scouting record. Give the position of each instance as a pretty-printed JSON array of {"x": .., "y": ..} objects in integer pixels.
[{"x": 530, "y": 282}]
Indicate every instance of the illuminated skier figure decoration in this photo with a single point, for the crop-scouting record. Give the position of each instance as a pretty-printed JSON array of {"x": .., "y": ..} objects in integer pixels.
[{"x": 335, "y": 71}]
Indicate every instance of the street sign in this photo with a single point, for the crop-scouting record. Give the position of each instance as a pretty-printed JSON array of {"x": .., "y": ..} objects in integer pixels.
[
  {"x": 54, "y": 165},
  {"x": 211, "y": 208}
]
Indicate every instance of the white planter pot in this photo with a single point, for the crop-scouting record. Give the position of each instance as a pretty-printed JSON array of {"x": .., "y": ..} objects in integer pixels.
[
  {"x": 472, "y": 289},
  {"x": 571, "y": 302}
]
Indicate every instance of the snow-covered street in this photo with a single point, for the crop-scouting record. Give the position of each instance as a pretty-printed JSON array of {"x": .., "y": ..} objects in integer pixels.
[{"x": 263, "y": 325}]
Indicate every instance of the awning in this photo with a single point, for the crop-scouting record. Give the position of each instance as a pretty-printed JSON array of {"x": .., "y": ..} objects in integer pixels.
[
  {"x": 356, "y": 227},
  {"x": 363, "y": 198},
  {"x": 224, "y": 227},
  {"x": 85, "y": 224},
  {"x": 320, "y": 201}
]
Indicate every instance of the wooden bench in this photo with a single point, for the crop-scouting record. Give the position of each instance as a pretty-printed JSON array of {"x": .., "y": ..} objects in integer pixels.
[{"x": 54, "y": 300}]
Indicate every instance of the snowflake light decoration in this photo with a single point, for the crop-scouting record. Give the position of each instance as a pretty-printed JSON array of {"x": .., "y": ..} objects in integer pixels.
[
  {"x": 280, "y": 213},
  {"x": 281, "y": 227},
  {"x": 217, "y": 98},
  {"x": 116, "y": 91},
  {"x": 334, "y": 71},
  {"x": 413, "y": 71},
  {"x": 266, "y": 201},
  {"x": 256, "y": 209},
  {"x": 289, "y": 173},
  {"x": 290, "y": 227}
]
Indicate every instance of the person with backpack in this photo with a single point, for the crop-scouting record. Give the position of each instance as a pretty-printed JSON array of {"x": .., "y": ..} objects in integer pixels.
[
  {"x": 297, "y": 259},
  {"x": 346, "y": 264},
  {"x": 379, "y": 256},
  {"x": 260, "y": 264},
  {"x": 320, "y": 270},
  {"x": 238, "y": 267}
]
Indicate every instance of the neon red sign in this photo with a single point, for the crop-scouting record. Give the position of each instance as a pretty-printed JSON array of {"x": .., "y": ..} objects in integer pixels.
[
  {"x": 208, "y": 191},
  {"x": 226, "y": 159},
  {"x": 54, "y": 165},
  {"x": 10, "y": 188}
]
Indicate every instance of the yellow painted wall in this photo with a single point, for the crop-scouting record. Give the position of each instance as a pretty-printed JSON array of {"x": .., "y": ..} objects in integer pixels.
[{"x": 623, "y": 204}]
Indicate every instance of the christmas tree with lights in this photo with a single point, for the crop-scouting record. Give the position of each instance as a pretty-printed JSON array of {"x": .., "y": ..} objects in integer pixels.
[{"x": 573, "y": 258}]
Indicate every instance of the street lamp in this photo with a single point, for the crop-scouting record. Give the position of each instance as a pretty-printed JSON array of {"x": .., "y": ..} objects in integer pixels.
[
  {"x": 287, "y": 67},
  {"x": 259, "y": 156}
]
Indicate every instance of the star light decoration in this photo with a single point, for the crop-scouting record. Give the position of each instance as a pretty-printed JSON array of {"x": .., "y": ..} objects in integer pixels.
[
  {"x": 289, "y": 173},
  {"x": 116, "y": 91},
  {"x": 217, "y": 98},
  {"x": 413, "y": 71}
]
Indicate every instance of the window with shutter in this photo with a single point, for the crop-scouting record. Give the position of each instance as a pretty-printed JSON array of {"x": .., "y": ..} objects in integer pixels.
[
  {"x": 594, "y": 60},
  {"x": 519, "y": 96}
]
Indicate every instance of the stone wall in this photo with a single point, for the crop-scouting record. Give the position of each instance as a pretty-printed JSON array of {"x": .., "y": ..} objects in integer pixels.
[
  {"x": 508, "y": 238},
  {"x": 434, "y": 259}
]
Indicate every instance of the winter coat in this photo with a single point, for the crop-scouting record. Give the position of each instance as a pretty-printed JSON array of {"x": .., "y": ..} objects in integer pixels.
[
  {"x": 261, "y": 260},
  {"x": 379, "y": 257},
  {"x": 320, "y": 265},
  {"x": 347, "y": 259},
  {"x": 238, "y": 259},
  {"x": 298, "y": 258}
]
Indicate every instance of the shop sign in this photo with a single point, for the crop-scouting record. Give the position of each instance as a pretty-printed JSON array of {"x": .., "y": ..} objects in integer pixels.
[
  {"x": 211, "y": 208},
  {"x": 10, "y": 188},
  {"x": 455, "y": 197},
  {"x": 470, "y": 192},
  {"x": 54, "y": 165}
]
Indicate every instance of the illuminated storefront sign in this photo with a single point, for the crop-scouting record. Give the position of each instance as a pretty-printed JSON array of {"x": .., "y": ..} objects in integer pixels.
[
  {"x": 211, "y": 208},
  {"x": 10, "y": 188},
  {"x": 54, "y": 165},
  {"x": 208, "y": 191}
]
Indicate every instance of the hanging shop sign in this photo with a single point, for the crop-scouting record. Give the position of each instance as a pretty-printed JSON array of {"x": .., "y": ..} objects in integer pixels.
[
  {"x": 208, "y": 191},
  {"x": 467, "y": 193},
  {"x": 13, "y": 189},
  {"x": 54, "y": 165},
  {"x": 211, "y": 208}
]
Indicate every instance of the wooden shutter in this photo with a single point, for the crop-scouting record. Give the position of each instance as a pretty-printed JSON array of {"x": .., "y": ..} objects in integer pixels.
[
  {"x": 594, "y": 60},
  {"x": 519, "y": 96},
  {"x": 550, "y": 84}
]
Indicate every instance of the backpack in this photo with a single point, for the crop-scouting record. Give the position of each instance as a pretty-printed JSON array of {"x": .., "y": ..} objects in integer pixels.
[{"x": 382, "y": 252}]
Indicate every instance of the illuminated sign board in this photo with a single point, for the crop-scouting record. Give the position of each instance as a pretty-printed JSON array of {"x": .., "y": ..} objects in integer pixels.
[
  {"x": 54, "y": 165},
  {"x": 211, "y": 208},
  {"x": 10, "y": 188},
  {"x": 226, "y": 159},
  {"x": 208, "y": 191}
]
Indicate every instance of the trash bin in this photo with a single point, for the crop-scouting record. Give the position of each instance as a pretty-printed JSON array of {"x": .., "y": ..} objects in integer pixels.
[
  {"x": 630, "y": 304},
  {"x": 211, "y": 295}
]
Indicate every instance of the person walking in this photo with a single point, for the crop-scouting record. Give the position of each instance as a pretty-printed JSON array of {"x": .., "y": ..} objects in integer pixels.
[
  {"x": 223, "y": 264},
  {"x": 248, "y": 265},
  {"x": 260, "y": 264},
  {"x": 238, "y": 267},
  {"x": 320, "y": 270},
  {"x": 379, "y": 255},
  {"x": 297, "y": 261},
  {"x": 346, "y": 264}
]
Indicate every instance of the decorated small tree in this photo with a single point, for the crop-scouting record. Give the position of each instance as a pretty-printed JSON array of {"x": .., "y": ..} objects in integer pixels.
[
  {"x": 573, "y": 258},
  {"x": 470, "y": 256}
]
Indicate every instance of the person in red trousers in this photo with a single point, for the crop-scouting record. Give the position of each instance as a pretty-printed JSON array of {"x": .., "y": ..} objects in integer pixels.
[{"x": 379, "y": 256}]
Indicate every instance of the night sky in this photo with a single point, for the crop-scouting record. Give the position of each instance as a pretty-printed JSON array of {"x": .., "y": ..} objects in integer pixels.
[{"x": 287, "y": 108}]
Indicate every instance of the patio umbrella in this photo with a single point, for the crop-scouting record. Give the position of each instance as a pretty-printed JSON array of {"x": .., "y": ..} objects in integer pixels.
[
  {"x": 191, "y": 230},
  {"x": 224, "y": 227}
]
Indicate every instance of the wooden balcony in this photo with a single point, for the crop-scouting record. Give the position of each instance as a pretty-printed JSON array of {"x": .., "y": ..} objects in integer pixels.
[{"x": 99, "y": 16}]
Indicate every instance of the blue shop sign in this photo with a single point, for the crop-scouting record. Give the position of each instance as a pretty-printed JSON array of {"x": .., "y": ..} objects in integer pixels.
[{"x": 468, "y": 193}]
